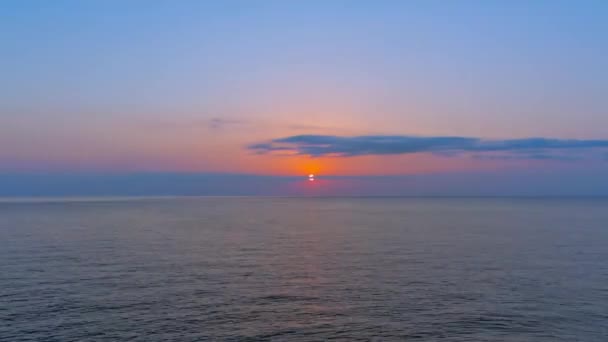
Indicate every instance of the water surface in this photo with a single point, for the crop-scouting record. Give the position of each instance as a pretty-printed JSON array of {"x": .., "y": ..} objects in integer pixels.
[{"x": 304, "y": 269}]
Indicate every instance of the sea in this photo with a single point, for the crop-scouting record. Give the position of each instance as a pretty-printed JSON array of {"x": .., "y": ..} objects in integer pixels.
[{"x": 304, "y": 269}]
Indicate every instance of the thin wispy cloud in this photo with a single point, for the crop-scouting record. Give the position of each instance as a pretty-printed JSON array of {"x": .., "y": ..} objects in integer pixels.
[
  {"x": 350, "y": 146},
  {"x": 235, "y": 122},
  {"x": 220, "y": 123},
  {"x": 527, "y": 156},
  {"x": 212, "y": 123}
]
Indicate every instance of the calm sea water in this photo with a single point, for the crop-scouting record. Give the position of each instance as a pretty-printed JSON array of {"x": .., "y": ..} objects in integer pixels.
[{"x": 288, "y": 269}]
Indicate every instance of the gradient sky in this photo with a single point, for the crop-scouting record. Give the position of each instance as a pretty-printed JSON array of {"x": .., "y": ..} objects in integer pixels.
[{"x": 251, "y": 87}]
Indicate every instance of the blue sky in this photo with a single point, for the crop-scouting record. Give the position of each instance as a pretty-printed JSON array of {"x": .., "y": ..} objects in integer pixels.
[{"x": 107, "y": 88}]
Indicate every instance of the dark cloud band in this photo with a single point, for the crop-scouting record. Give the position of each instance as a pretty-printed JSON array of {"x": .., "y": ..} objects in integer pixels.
[{"x": 347, "y": 146}]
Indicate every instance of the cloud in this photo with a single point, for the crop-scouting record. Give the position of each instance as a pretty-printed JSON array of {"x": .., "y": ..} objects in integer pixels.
[
  {"x": 219, "y": 123},
  {"x": 212, "y": 123},
  {"x": 349, "y": 146},
  {"x": 306, "y": 127},
  {"x": 527, "y": 156}
]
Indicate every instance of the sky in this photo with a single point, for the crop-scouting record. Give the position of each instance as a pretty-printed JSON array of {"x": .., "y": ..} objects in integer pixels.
[{"x": 249, "y": 97}]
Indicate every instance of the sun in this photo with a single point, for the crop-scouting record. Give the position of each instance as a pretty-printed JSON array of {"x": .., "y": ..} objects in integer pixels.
[{"x": 311, "y": 177}]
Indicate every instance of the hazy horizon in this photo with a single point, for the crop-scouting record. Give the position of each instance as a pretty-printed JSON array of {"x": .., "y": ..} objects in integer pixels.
[{"x": 196, "y": 184}]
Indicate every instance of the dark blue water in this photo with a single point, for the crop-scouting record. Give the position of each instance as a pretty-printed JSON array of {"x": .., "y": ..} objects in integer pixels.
[{"x": 287, "y": 269}]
